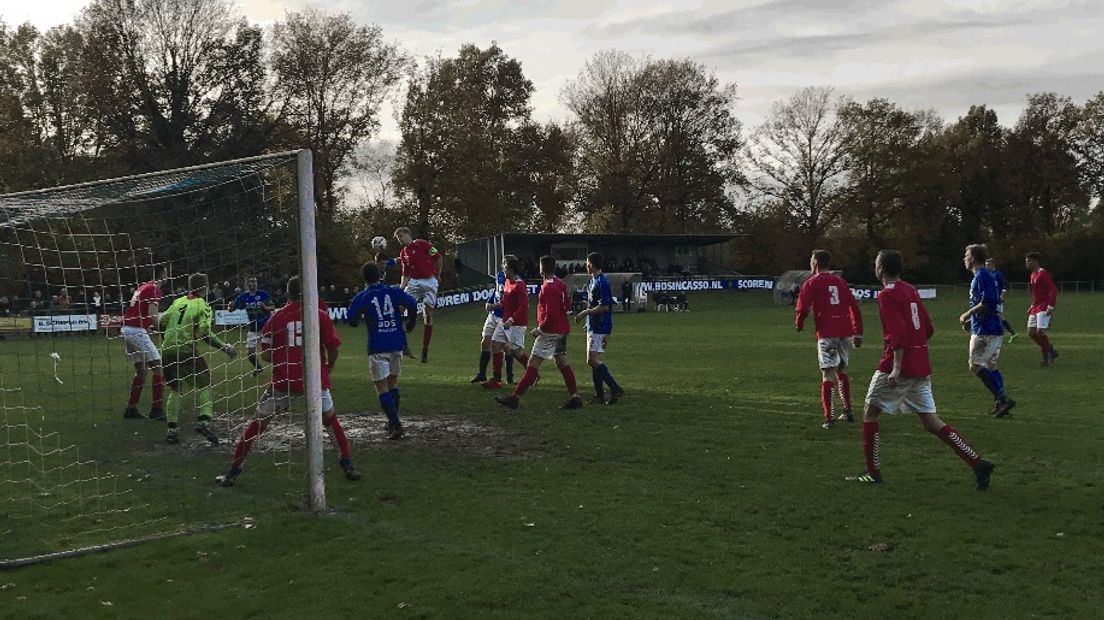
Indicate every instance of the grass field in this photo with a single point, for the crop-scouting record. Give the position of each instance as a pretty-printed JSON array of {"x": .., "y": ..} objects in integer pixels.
[{"x": 709, "y": 491}]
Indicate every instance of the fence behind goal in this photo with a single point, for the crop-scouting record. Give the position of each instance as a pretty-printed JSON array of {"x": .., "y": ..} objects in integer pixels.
[{"x": 75, "y": 473}]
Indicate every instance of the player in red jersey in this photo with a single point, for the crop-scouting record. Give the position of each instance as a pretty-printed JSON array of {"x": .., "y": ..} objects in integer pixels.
[
  {"x": 509, "y": 332},
  {"x": 282, "y": 346},
  {"x": 1043, "y": 297},
  {"x": 838, "y": 330},
  {"x": 902, "y": 381},
  {"x": 139, "y": 320},
  {"x": 550, "y": 337},
  {"x": 419, "y": 259}
]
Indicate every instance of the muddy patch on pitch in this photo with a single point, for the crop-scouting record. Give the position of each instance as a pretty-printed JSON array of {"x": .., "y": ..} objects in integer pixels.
[{"x": 440, "y": 433}]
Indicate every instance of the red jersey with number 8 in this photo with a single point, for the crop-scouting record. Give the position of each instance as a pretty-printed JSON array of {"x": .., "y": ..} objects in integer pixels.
[
  {"x": 835, "y": 311},
  {"x": 283, "y": 335},
  {"x": 905, "y": 325}
]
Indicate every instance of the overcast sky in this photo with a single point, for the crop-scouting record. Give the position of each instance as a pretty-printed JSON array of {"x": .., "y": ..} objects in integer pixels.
[{"x": 920, "y": 53}]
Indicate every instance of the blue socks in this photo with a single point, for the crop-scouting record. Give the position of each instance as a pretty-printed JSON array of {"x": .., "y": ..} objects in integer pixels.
[
  {"x": 599, "y": 382},
  {"x": 387, "y": 401},
  {"x": 992, "y": 381},
  {"x": 608, "y": 378},
  {"x": 998, "y": 379},
  {"x": 395, "y": 397}
]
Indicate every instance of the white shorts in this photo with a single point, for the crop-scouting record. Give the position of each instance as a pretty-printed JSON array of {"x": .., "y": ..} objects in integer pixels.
[
  {"x": 383, "y": 365},
  {"x": 512, "y": 337},
  {"x": 275, "y": 402},
  {"x": 834, "y": 352},
  {"x": 596, "y": 343},
  {"x": 489, "y": 325},
  {"x": 139, "y": 345},
  {"x": 984, "y": 350},
  {"x": 424, "y": 290},
  {"x": 909, "y": 394},
  {"x": 548, "y": 346},
  {"x": 1039, "y": 320},
  {"x": 252, "y": 339}
]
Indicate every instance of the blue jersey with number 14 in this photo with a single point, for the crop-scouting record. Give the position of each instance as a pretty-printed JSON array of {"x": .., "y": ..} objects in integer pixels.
[{"x": 379, "y": 304}]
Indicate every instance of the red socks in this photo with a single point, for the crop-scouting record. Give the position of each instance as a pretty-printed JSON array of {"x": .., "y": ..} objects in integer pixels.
[
  {"x": 826, "y": 390},
  {"x": 426, "y": 335},
  {"x": 526, "y": 382},
  {"x": 871, "y": 441},
  {"x": 1044, "y": 344},
  {"x": 569, "y": 380},
  {"x": 497, "y": 365},
  {"x": 338, "y": 434},
  {"x": 135, "y": 390},
  {"x": 158, "y": 390},
  {"x": 845, "y": 390},
  {"x": 241, "y": 449},
  {"x": 951, "y": 437}
]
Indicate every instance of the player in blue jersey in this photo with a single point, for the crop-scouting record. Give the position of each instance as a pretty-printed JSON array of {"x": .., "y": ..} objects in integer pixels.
[
  {"x": 379, "y": 304},
  {"x": 984, "y": 325},
  {"x": 599, "y": 326},
  {"x": 494, "y": 314},
  {"x": 258, "y": 305},
  {"x": 1002, "y": 290}
]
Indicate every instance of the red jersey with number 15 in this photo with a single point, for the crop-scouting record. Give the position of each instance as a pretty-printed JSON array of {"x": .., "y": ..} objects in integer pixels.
[
  {"x": 419, "y": 259},
  {"x": 283, "y": 335},
  {"x": 137, "y": 313},
  {"x": 905, "y": 325},
  {"x": 835, "y": 311}
]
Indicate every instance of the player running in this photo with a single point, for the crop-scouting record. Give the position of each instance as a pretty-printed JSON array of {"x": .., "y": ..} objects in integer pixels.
[
  {"x": 380, "y": 305},
  {"x": 187, "y": 322},
  {"x": 550, "y": 337},
  {"x": 282, "y": 346},
  {"x": 1002, "y": 290},
  {"x": 839, "y": 330},
  {"x": 419, "y": 259},
  {"x": 258, "y": 305},
  {"x": 494, "y": 313},
  {"x": 902, "y": 381},
  {"x": 599, "y": 326},
  {"x": 509, "y": 332},
  {"x": 984, "y": 325},
  {"x": 138, "y": 320},
  {"x": 1043, "y": 297}
]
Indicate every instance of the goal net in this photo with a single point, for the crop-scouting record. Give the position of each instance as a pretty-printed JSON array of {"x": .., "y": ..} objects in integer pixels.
[{"x": 79, "y": 468}]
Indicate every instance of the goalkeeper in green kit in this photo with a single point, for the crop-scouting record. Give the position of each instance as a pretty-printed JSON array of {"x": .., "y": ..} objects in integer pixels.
[{"x": 188, "y": 321}]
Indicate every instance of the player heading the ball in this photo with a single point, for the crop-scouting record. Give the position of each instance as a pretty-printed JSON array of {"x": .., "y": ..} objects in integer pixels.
[
  {"x": 139, "y": 320},
  {"x": 419, "y": 259},
  {"x": 902, "y": 381},
  {"x": 839, "y": 329},
  {"x": 380, "y": 305}
]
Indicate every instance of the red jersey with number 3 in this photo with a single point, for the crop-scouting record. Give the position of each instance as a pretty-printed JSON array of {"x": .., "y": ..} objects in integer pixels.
[
  {"x": 515, "y": 302},
  {"x": 835, "y": 311},
  {"x": 418, "y": 259},
  {"x": 1043, "y": 292},
  {"x": 283, "y": 335},
  {"x": 905, "y": 325},
  {"x": 137, "y": 313},
  {"x": 553, "y": 304}
]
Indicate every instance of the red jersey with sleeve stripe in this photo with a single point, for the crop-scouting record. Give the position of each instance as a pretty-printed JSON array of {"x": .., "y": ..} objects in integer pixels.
[
  {"x": 905, "y": 325},
  {"x": 419, "y": 259},
  {"x": 1043, "y": 292},
  {"x": 137, "y": 313},
  {"x": 835, "y": 310},
  {"x": 553, "y": 304},
  {"x": 283, "y": 335},
  {"x": 515, "y": 302}
]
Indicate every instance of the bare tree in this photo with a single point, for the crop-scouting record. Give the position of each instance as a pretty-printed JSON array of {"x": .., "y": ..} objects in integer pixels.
[
  {"x": 332, "y": 76},
  {"x": 796, "y": 159}
]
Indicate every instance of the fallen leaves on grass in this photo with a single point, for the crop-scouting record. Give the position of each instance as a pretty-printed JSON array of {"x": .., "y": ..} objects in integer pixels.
[{"x": 881, "y": 547}]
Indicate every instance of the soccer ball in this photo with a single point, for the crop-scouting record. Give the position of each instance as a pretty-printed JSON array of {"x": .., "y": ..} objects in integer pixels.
[{"x": 379, "y": 244}]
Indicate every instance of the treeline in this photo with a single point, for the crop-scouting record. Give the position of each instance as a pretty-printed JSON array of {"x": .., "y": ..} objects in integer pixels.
[{"x": 650, "y": 145}]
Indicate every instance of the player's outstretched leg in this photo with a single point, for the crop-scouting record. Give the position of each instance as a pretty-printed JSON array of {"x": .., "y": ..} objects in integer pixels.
[
  {"x": 241, "y": 450},
  {"x": 341, "y": 442},
  {"x": 983, "y": 469}
]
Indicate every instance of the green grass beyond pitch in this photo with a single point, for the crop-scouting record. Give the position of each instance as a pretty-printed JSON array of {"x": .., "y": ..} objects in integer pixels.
[{"x": 710, "y": 490}]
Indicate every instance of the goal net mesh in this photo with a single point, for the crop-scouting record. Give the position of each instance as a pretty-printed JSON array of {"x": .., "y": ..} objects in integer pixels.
[{"x": 74, "y": 471}]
